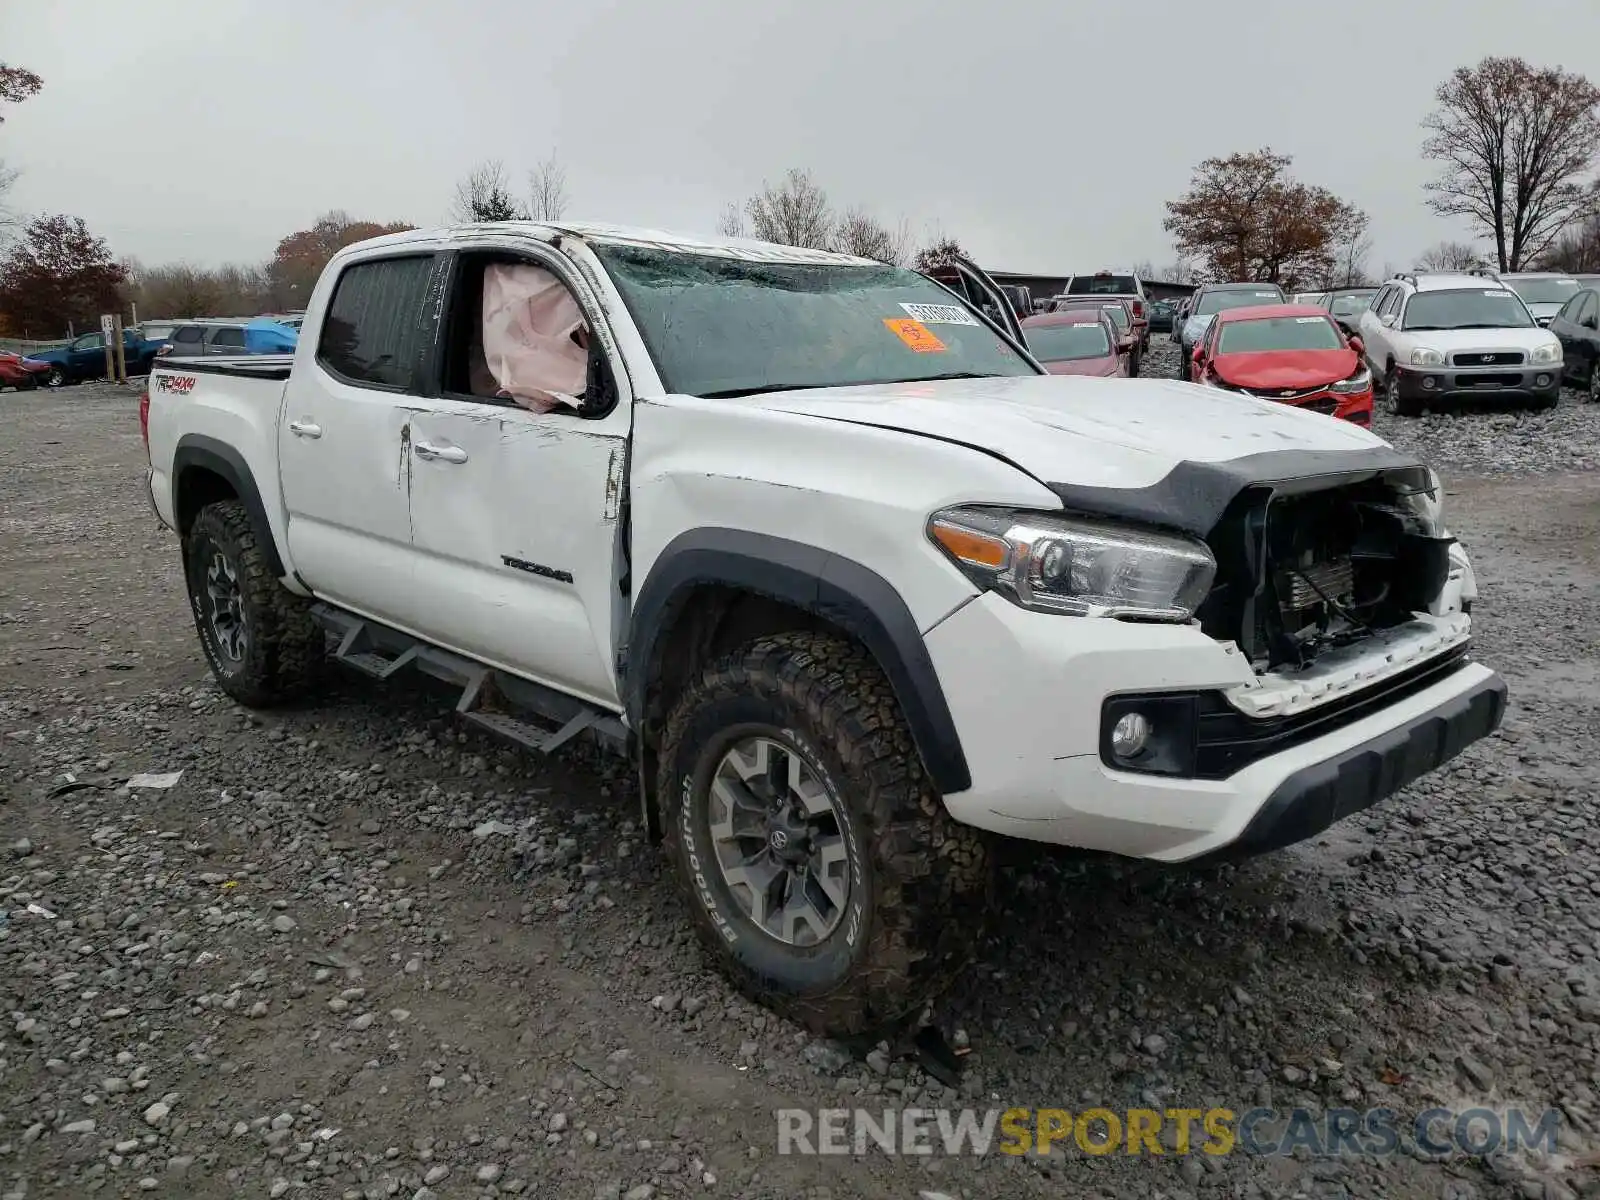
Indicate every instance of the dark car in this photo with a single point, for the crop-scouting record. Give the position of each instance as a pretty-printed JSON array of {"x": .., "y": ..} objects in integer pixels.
[
  {"x": 196, "y": 339},
  {"x": 1162, "y": 313},
  {"x": 1213, "y": 298},
  {"x": 1577, "y": 325},
  {"x": 1345, "y": 305},
  {"x": 1076, "y": 341},
  {"x": 85, "y": 358}
]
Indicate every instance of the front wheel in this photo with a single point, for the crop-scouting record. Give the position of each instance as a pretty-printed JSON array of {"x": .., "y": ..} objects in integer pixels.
[
  {"x": 1592, "y": 390},
  {"x": 1396, "y": 404},
  {"x": 819, "y": 862},
  {"x": 259, "y": 637},
  {"x": 55, "y": 378}
]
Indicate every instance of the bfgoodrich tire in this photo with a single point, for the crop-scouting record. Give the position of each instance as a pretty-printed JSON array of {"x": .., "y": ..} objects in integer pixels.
[
  {"x": 788, "y": 774},
  {"x": 259, "y": 638}
]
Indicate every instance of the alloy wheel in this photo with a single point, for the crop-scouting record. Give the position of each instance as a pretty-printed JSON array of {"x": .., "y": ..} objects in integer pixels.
[
  {"x": 226, "y": 602},
  {"x": 779, "y": 838}
]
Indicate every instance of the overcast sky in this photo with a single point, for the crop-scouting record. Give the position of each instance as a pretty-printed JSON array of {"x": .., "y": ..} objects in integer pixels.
[{"x": 1043, "y": 134}]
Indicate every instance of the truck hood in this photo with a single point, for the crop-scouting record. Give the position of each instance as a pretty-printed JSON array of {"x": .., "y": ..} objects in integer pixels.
[
  {"x": 1097, "y": 433},
  {"x": 1284, "y": 369}
]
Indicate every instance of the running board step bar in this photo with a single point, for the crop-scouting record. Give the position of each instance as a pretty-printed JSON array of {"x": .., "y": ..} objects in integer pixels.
[{"x": 527, "y": 713}]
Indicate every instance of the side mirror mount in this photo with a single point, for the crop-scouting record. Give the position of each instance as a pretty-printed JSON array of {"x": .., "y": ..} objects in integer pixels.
[{"x": 1358, "y": 345}]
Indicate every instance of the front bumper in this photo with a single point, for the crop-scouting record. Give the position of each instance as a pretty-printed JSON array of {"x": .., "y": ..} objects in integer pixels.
[
  {"x": 1428, "y": 384},
  {"x": 1033, "y": 743}
]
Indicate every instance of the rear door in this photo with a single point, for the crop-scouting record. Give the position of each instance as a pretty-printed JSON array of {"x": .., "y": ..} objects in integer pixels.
[
  {"x": 344, "y": 437},
  {"x": 225, "y": 339}
]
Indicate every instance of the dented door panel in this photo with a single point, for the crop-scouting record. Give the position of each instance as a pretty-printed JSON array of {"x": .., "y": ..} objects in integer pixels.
[{"x": 514, "y": 519}]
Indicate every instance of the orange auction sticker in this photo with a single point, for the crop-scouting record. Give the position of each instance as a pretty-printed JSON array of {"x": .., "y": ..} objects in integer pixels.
[{"x": 914, "y": 334}]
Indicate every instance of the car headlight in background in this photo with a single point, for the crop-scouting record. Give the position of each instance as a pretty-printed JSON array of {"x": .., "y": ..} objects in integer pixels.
[
  {"x": 1361, "y": 381},
  {"x": 1546, "y": 355},
  {"x": 1423, "y": 356},
  {"x": 1071, "y": 565}
]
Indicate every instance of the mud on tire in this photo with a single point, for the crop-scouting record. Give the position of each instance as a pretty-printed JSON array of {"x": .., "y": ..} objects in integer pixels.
[
  {"x": 266, "y": 649},
  {"x": 920, "y": 884}
]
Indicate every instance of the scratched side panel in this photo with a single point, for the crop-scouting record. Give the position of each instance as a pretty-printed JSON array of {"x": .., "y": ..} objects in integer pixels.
[{"x": 860, "y": 492}]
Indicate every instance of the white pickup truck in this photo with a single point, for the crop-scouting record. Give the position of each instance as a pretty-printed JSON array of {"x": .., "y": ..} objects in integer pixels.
[{"x": 825, "y": 550}]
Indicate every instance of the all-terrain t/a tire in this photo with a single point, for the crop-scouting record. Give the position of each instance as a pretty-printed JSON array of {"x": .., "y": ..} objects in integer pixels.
[
  {"x": 905, "y": 887},
  {"x": 259, "y": 638}
]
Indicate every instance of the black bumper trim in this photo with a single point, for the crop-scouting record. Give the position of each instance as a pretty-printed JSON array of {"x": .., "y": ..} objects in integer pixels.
[
  {"x": 1454, "y": 383},
  {"x": 1317, "y": 796}
]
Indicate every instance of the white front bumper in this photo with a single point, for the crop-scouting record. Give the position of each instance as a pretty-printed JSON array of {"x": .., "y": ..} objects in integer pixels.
[{"x": 1026, "y": 691}]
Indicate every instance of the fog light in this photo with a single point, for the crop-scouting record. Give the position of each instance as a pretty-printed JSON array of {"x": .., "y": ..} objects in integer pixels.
[
  {"x": 1541, "y": 381},
  {"x": 1130, "y": 735},
  {"x": 1429, "y": 382}
]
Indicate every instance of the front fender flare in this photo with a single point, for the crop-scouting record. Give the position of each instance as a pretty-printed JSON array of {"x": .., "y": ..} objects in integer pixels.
[{"x": 843, "y": 592}]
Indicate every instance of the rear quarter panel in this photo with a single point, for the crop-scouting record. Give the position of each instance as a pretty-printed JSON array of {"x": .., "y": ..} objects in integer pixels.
[{"x": 238, "y": 412}]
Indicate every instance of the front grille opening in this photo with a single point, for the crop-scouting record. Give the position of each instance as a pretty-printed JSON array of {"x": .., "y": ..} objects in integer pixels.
[{"x": 1300, "y": 574}]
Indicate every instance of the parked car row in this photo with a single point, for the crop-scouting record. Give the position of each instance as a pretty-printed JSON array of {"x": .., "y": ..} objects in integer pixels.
[{"x": 84, "y": 357}]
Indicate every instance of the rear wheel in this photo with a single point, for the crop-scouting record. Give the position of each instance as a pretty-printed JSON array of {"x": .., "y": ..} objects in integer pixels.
[
  {"x": 259, "y": 637},
  {"x": 1593, "y": 388},
  {"x": 819, "y": 862}
]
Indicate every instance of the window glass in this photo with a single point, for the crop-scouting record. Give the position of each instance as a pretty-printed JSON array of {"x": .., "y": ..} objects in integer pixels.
[
  {"x": 373, "y": 330},
  {"x": 1090, "y": 285},
  {"x": 92, "y": 341},
  {"x": 1063, "y": 343},
  {"x": 228, "y": 336},
  {"x": 1278, "y": 333},
  {"x": 725, "y": 326},
  {"x": 1215, "y": 302},
  {"x": 1474, "y": 308}
]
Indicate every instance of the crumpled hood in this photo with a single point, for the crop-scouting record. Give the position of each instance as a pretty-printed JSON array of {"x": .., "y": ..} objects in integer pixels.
[
  {"x": 1116, "y": 433},
  {"x": 1285, "y": 369}
]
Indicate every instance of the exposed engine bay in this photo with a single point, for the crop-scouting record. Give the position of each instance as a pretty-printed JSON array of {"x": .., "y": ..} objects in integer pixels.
[{"x": 1300, "y": 573}]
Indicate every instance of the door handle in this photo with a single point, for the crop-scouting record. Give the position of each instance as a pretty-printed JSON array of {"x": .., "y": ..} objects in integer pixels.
[
  {"x": 305, "y": 429},
  {"x": 449, "y": 454}
]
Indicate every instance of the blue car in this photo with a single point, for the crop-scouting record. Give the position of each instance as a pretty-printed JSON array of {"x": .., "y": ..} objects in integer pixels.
[{"x": 85, "y": 358}]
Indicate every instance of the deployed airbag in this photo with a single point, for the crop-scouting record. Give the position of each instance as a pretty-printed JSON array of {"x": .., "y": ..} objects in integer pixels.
[{"x": 535, "y": 340}]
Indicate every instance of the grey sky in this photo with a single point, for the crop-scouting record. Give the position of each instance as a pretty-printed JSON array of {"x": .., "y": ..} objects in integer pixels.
[{"x": 1042, "y": 134}]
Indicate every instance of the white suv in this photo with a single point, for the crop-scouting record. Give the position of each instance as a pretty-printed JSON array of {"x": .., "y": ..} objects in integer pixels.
[{"x": 1435, "y": 338}]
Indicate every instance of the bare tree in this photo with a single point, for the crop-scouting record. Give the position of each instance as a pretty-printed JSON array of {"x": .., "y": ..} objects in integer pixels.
[
  {"x": 547, "y": 191},
  {"x": 1145, "y": 269},
  {"x": 1515, "y": 142},
  {"x": 9, "y": 221},
  {"x": 1577, "y": 249},
  {"x": 1450, "y": 256},
  {"x": 1349, "y": 267},
  {"x": 860, "y": 233},
  {"x": 485, "y": 195},
  {"x": 795, "y": 212},
  {"x": 730, "y": 222}
]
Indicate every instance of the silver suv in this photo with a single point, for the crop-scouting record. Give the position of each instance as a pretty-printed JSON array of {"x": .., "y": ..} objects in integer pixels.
[
  {"x": 1433, "y": 339},
  {"x": 196, "y": 339}
]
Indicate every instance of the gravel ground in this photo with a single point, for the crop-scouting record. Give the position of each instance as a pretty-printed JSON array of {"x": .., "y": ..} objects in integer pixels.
[{"x": 357, "y": 951}]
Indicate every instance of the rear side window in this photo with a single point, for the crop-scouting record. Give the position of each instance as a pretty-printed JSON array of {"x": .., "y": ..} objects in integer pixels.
[
  {"x": 1093, "y": 285},
  {"x": 373, "y": 331},
  {"x": 228, "y": 336},
  {"x": 192, "y": 334}
]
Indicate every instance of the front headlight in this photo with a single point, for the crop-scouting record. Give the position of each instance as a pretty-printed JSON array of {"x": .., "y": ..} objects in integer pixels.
[
  {"x": 1428, "y": 505},
  {"x": 1546, "y": 355},
  {"x": 1361, "y": 381},
  {"x": 1072, "y": 565},
  {"x": 1423, "y": 356}
]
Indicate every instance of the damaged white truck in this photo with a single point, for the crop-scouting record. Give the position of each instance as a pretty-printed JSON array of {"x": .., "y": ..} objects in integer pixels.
[{"x": 816, "y": 542}]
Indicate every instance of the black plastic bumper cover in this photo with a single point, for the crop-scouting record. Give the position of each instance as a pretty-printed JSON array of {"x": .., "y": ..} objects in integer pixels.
[{"x": 1314, "y": 797}]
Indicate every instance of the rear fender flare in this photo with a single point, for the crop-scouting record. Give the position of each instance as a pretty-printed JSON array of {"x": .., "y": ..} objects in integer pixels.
[{"x": 196, "y": 451}]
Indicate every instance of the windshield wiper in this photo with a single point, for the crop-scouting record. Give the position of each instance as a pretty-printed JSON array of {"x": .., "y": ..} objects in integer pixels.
[
  {"x": 953, "y": 375},
  {"x": 735, "y": 393}
]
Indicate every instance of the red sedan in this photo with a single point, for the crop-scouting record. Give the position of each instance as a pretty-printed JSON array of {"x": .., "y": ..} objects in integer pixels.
[
  {"x": 15, "y": 373},
  {"x": 1291, "y": 353},
  {"x": 1076, "y": 341}
]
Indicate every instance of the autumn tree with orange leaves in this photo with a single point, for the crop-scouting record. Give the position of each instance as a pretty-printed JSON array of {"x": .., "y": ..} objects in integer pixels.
[
  {"x": 300, "y": 257},
  {"x": 1245, "y": 218}
]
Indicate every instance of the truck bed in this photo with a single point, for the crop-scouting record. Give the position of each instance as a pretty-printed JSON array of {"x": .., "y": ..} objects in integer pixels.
[{"x": 251, "y": 366}]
